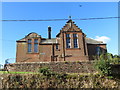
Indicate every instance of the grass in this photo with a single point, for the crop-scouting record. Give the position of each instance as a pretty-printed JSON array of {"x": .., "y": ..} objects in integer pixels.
[{"x": 6, "y": 72}]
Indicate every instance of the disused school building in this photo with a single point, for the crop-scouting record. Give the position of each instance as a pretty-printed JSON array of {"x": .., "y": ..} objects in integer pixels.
[{"x": 70, "y": 44}]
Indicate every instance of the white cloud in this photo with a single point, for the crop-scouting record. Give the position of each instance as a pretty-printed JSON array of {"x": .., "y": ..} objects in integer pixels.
[{"x": 102, "y": 38}]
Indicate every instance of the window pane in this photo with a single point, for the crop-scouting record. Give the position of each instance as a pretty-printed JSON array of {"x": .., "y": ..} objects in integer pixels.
[
  {"x": 56, "y": 46},
  {"x": 74, "y": 35},
  {"x": 67, "y": 35},
  {"x": 29, "y": 40},
  {"x": 75, "y": 43},
  {"x": 35, "y": 47},
  {"x": 67, "y": 43},
  {"x": 98, "y": 50},
  {"x": 36, "y": 41},
  {"x": 29, "y": 47}
]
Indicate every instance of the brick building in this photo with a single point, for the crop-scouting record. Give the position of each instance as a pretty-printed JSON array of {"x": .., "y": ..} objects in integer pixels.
[{"x": 70, "y": 44}]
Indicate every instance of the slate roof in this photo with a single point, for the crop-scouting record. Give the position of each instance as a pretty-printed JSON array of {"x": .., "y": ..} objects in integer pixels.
[
  {"x": 54, "y": 41},
  {"x": 21, "y": 40},
  {"x": 92, "y": 41},
  {"x": 49, "y": 41}
]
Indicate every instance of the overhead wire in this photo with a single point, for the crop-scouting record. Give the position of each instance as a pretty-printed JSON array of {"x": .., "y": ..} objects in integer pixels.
[
  {"x": 58, "y": 20},
  {"x": 65, "y": 19}
]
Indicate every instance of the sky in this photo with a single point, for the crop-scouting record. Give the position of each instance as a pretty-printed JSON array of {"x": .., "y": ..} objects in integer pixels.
[{"x": 105, "y": 29}]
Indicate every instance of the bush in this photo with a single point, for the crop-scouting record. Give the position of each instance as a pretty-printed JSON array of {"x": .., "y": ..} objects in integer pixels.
[
  {"x": 45, "y": 71},
  {"x": 103, "y": 65},
  {"x": 115, "y": 60},
  {"x": 66, "y": 62}
]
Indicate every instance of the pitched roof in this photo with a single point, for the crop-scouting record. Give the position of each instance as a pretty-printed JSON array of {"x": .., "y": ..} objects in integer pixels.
[
  {"x": 21, "y": 40},
  {"x": 32, "y": 34},
  {"x": 70, "y": 21},
  {"x": 54, "y": 41},
  {"x": 49, "y": 41},
  {"x": 92, "y": 41}
]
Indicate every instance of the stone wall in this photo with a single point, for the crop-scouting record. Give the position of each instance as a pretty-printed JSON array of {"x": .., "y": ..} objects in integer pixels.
[
  {"x": 65, "y": 67},
  {"x": 115, "y": 69}
]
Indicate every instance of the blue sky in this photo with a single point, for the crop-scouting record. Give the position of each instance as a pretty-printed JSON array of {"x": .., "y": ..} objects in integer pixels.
[{"x": 106, "y": 30}]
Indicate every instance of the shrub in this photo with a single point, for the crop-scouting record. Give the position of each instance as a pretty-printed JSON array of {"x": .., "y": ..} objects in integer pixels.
[
  {"x": 78, "y": 62},
  {"x": 45, "y": 71},
  {"x": 115, "y": 61},
  {"x": 66, "y": 62},
  {"x": 103, "y": 65},
  {"x": 61, "y": 76}
]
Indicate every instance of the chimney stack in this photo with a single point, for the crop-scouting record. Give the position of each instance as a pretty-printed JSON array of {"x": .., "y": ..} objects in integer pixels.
[{"x": 49, "y": 32}]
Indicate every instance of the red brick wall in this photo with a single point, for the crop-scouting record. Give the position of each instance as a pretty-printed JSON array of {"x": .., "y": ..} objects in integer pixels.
[
  {"x": 46, "y": 54},
  {"x": 21, "y": 51},
  {"x": 92, "y": 49}
]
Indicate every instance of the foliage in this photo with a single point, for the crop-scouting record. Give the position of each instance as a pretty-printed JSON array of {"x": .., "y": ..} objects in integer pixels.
[
  {"x": 103, "y": 65},
  {"x": 66, "y": 62},
  {"x": 105, "y": 61},
  {"x": 113, "y": 59},
  {"x": 116, "y": 56},
  {"x": 78, "y": 62},
  {"x": 44, "y": 70},
  {"x": 74, "y": 81},
  {"x": 47, "y": 72}
]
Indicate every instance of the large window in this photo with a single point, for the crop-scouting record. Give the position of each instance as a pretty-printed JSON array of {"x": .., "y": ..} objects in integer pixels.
[
  {"x": 67, "y": 35},
  {"x": 98, "y": 50},
  {"x": 57, "y": 47},
  {"x": 32, "y": 45},
  {"x": 75, "y": 40},
  {"x": 75, "y": 35},
  {"x": 35, "y": 45},
  {"x": 29, "y": 45},
  {"x": 75, "y": 43},
  {"x": 36, "y": 41},
  {"x": 68, "y": 44}
]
